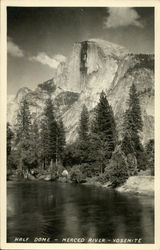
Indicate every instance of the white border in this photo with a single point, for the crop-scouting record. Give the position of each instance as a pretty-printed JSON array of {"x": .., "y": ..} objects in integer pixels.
[{"x": 3, "y": 103}]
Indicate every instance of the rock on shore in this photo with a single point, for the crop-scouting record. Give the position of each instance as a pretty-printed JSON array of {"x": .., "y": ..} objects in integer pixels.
[{"x": 139, "y": 184}]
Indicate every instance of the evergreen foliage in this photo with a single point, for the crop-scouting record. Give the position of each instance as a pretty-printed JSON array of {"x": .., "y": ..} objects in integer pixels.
[
  {"x": 97, "y": 154},
  {"x": 105, "y": 125},
  {"x": 23, "y": 125},
  {"x": 36, "y": 143},
  {"x": 52, "y": 134},
  {"x": 117, "y": 171},
  {"x": 133, "y": 119},
  {"x": 72, "y": 155},
  {"x": 132, "y": 164},
  {"x": 76, "y": 174},
  {"x": 24, "y": 144},
  {"x": 48, "y": 86},
  {"x": 60, "y": 141},
  {"x": 10, "y": 135},
  {"x": 83, "y": 127},
  {"x": 149, "y": 150},
  {"x": 103, "y": 135},
  {"x": 141, "y": 156},
  {"x": 49, "y": 133},
  {"x": 83, "y": 140},
  {"x": 132, "y": 126},
  {"x": 43, "y": 143},
  {"x": 127, "y": 144},
  {"x": 142, "y": 61},
  {"x": 95, "y": 151}
]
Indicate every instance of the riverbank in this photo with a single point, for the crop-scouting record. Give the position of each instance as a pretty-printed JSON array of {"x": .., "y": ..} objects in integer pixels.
[
  {"x": 143, "y": 185},
  {"x": 140, "y": 184}
]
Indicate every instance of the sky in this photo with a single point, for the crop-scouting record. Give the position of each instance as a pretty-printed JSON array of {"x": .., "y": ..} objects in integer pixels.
[{"x": 39, "y": 38}]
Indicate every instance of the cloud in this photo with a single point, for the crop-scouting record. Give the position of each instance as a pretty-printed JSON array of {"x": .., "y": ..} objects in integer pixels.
[
  {"x": 53, "y": 62},
  {"x": 122, "y": 16},
  {"x": 14, "y": 49},
  {"x": 45, "y": 59},
  {"x": 60, "y": 58}
]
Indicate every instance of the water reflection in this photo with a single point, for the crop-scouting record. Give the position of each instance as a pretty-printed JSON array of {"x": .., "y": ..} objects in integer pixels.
[{"x": 57, "y": 210}]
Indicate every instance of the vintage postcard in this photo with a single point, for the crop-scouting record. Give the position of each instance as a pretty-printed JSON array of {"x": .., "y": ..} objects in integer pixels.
[{"x": 80, "y": 124}]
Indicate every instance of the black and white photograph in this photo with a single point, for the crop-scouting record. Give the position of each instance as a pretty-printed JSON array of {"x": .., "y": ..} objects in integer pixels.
[{"x": 80, "y": 125}]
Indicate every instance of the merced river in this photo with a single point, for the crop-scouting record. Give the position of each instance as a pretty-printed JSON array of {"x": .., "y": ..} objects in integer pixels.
[{"x": 42, "y": 212}]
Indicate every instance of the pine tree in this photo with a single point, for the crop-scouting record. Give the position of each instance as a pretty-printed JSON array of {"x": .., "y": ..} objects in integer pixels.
[
  {"x": 104, "y": 135},
  {"x": 83, "y": 126},
  {"x": 106, "y": 124},
  {"x": 48, "y": 133},
  {"x": 60, "y": 141},
  {"x": 43, "y": 143},
  {"x": 117, "y": 171},
  {"x": 23, "y": 125},
  {"x": 36, "y": 143},
  {"x": 149, "y": 150},
  {"x": 9, "y": 139},
  {"x": 10, "y": 136},
  {"x": 133, "y": 126},
  {"x": 83, "y": 140},
  {"x": 23, "y": 140},
  {"x": 133, "y": 118},
  {"x": 97, "y": 152}
]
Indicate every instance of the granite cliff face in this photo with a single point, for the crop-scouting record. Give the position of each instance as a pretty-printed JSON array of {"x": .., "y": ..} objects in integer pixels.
[{"x": 93, "y": 66}]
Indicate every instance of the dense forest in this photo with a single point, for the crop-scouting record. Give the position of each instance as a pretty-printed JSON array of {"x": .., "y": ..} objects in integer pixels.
[{"x": 38, "y": 150}]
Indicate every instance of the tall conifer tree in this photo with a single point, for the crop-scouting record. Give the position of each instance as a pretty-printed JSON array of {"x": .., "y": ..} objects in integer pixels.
[
  {"x": 10, "y": 136},
  {"x": 23, "y": 140},
  {"x": 133, "y": 119},
  {"x": 106, "y": 128},
  {"x": 23, "y": 125},
  {"x": 43, "y": 143},
  {"x": 132, "y": 127},
  {"x": 36, "y": 143},
  {"x": 104, "y": 135},
  {"x": 49, "y": 132},
  {"x": 84, "y": 124},
  {"x": 9, "y": 139},
  {"x": 83, "y": 144},
  {"x": 60, "y": 140}
]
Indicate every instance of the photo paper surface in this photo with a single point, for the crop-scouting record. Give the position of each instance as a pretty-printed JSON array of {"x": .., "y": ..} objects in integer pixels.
[{"x": 80, "y": 124}]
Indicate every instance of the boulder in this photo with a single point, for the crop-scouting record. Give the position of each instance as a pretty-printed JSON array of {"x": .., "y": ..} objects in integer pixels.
[{"x": 65, "y": 173}]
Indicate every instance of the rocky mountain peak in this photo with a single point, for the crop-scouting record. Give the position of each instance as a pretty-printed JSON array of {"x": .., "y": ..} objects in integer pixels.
[
  {"x": 88, "y": 58},
  {"x": 95, "y": 65},
  {"x": 110, "y": 48}
]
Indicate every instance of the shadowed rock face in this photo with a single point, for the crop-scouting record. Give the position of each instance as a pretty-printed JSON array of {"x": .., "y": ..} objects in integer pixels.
[{"x": 93, "y": 66}]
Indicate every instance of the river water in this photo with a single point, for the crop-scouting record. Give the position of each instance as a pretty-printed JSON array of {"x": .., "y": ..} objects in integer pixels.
[{"x": 60, "y": 212}]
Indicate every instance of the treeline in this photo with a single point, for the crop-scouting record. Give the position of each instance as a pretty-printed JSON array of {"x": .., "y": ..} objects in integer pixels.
[
  {"x": 34, "y": 144},
  {"x": 144, "y": 61},
  {"x": 98, "y": 151}
]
